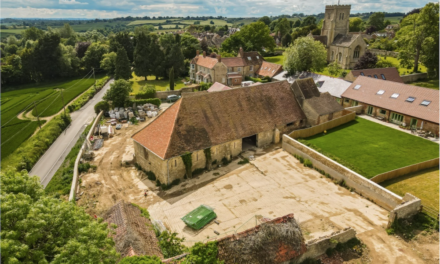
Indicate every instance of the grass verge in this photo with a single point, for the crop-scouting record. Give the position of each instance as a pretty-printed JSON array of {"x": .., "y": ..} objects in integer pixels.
[{"x": 137, "y": 83}]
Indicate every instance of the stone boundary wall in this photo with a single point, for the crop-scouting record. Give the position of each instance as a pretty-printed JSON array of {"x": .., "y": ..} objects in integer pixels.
[
  {"x": 360, "y": 184},
  {"x": 357, "y": 109},
  {"x": 80, "y": 153},
  {"x": 384, "y": 53},
  {"x": 346, "y": 117},
  {"x": 413, "y": 77},
  {"x": 319, "y": 246},
  {"x": 411, "y": 206},
  {"x": 405, "y": 170},
  {"x": 162, "y": 95}
]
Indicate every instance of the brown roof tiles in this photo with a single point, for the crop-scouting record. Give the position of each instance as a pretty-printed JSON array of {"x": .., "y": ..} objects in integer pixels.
[
  {"x": 207, "y": 61},
  {"x": 233, "y": 62},
  {"x": 269, "y": 69},
  {"x": 390, "y": 74}
]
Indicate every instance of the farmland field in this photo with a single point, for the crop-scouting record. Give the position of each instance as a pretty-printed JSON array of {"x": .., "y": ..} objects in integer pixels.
[
  {"x": 96, "y": 25},
  {"x": 370, "y": 148},
  {"x": 149, "y": 21},
  {"x": 8, "y": 32}
]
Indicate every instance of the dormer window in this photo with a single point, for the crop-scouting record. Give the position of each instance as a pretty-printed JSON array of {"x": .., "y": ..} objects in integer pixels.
[
  {"x": 362, "y": 74},
  {"x": 258, "y": 57},
  {"x": 380, "y": 92}
]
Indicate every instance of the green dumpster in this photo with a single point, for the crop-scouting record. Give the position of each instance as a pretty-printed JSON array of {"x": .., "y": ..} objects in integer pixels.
[{"x": 199, "y": 217}]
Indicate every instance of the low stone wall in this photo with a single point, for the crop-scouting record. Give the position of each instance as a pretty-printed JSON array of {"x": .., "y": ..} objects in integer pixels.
[
  {"x": 346, "y": 117},
  {"x": 412, "y": 206},
  {"x": 360, "y": 184},
  {"x": 162, "y": 95},
  {"x": 356, "y": 109},
  {"x": 319, "y": 246},
  {"x": 413, "y": 77},
  {"x": 384, "y": 53},
  {"x": 405, "y": 170}
]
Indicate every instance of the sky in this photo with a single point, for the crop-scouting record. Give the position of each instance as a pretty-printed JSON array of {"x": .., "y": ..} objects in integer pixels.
[{"x": 229, "y": 8}]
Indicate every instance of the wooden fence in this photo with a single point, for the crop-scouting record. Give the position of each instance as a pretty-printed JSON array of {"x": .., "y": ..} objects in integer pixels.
[
  {"x": 346, "y": 117},
  {"x": 405, "y": 170}
]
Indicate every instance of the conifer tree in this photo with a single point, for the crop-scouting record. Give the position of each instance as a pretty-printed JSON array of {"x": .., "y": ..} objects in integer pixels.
[
  {"x": 141, "y": 55},
  {"x": 123, "y": 69},
  {"x": 172, "y": 79}
]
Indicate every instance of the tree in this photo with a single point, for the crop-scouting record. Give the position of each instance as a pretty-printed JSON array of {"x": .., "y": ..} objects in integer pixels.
[
  {"x": 297, "y": 23},
  {"x": 266, "y": 20},
  {"x": 108, "y": 63},
  {"x": 283, "y": 26},
  {"x": 171, "y": 79},
  {"x": 118, "y": 93},
  {"x": 81, "y": 48},
  {"x": 356, "y": 24},
  {"x": 66, "y": 31},
  {"x": 141, "y": 260},
  {"x": 308, "y": 21},
  {"x": 305, "y": 54},
  {"x": 204, "y": 45},
  {"x": 102, "y": 106},
  {"x": 124, "y": 40},
  {"x": 40, "y": 229},
  {"x": 202, "y": 253},
  {"x": 146, "y": 29},
  {"x": 48, "y": 54},
  {"x": 189, "y": 45},
  {"x": 377, "y": 20},
  {"x": 122, "y": 69},
  {"x": 141, "y": 55},
  {"x": 157, "y": 60},
  {"x": 286, "y": 40},
  {"x": 418, "y": 39},
  {"x": 370, "y": 30},
  {"x": 174, "y": 59},
  {"x": 170, "y": 244},
  {"x": 252, "y": 37},
  {"x": 334, "y": 68},
  {"x": 32, "y": 33},
  {"x": 93, "y": 55},
  {"x": 366, "y": 61}
]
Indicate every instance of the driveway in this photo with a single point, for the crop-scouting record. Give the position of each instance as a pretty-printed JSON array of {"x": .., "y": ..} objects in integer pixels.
[{"x": 49, "y": 163}]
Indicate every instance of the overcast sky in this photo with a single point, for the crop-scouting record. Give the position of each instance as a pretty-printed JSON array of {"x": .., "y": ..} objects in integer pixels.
[{"x": 228, "y": 8}]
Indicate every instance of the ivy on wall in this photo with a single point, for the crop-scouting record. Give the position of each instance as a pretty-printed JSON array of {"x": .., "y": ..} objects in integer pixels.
[
  {"x": 187, "y": 161},
  {"x": 208, "y": 157}
]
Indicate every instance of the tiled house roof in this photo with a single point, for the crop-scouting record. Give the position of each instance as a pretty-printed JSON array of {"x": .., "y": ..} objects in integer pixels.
[
  {"x": 367, "y": 92},
  {"x": 389, "y": 74},
  {"x": 218, "y": 87},
  {"x": 276, "y": 241},
  {"x": 252, "y": 58},
  {"x": 233, "y": 62},
  {"x": 206, "y": 61},
  {"x": 207, "y": 119},
  {"x": 269, "y": 69},
  {"x": 134, "y": 235}
]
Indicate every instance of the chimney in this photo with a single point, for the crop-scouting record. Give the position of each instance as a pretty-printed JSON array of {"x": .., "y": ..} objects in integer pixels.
[
  {"x": 241, "y": 52},
  {"x": 197, "y": 53},
  {"x": 204, "y": 54},
  {"x": 219, "y": 58}
]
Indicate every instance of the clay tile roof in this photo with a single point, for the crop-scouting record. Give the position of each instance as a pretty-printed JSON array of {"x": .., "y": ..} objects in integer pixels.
[
  {"x": 344, "y": 40},
  {"x": 233, "y": 62},
  {"x": 275, "y": 241},
  {"x": 218, "y": 87},
  {"x": 307, "y": 87},
  {"x": 269, "y": 69},
  {"x": 252, "y": 58},
  {"x": 134, "y": 234},
  {"x": 207, "y": 61},
  {"x": 390, "y": 74},
  {"x": 367, "y": 93},
  {"x": 322, "y": 39},
  {"x": 234, "y": 75},
  {"x": 207, "y": 119}
]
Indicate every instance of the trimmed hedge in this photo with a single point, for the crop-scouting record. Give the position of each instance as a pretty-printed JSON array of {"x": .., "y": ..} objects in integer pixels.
[
  {"x": 148, "y": 92},
  {"x": 85, "y": 97},
  {"x": 32, "y": 149},
  {"x": 155, "y": 101}
]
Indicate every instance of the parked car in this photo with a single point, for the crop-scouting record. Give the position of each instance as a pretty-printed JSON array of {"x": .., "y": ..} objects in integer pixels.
[
  {"x": 173, "y": 98},
  {"x": 118, "y": 126}
]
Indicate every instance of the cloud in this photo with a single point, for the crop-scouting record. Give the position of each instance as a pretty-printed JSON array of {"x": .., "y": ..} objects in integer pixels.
[
  {"x": 71, "y": 2},
  {"x": 169, "y": 7},
  {"x": 30, "y": 12}
]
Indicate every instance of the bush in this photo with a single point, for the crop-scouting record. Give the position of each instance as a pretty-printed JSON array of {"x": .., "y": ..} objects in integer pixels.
[
  {"x": 151, "y": 175},
  {"x": 225, "y": 161},
  {"x": 158, "y": 183},
  {"x": 198, "y": 171},
  {"x": 83, "y": 167},
  {"x": 205, "y": 86},
  {"x": 148, "y": 92},
  {"x": 102, "y": 106},
  {"x": 308, "y": 163},
  {"x": 155, "y": 101},
  {"x": 243, "y": 161},
  {"x": 144, "y": 212}
]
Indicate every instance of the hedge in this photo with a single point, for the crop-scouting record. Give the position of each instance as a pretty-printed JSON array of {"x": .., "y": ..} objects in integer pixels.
[
  {"x": 32, "y": 149},
  {"x": 155, "y": 101},
  {"x": 262, "y": 80},
  {"x": 86, "y": 96},
  {"x": 148, "y": 92}
]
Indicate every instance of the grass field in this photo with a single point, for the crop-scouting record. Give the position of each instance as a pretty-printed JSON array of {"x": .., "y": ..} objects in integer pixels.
[
  {"x": 96, "y": 25},
  {"x": 275, "y": 59},
  {"x": 169, "y": 26},
  {"x": 402, "y": 70},
  {"x": 423, "y": 184},
  {"x": 149, "y": 21},
  {"x": 433, "y": 83},
  {"x": 4, "y": 33},
  {"x": 370, "y": 148},
  {"x": 161, "y": 85}
]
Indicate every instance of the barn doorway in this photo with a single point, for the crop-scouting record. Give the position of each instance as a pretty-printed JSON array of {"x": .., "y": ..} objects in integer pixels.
[{"x": 249, "y": 142}]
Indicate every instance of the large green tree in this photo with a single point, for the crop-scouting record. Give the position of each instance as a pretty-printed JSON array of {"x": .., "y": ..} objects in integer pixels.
[
  {"x": 377, "y": 20},
  {"x": 305, "y": 54},
  {"x": 124, "y": 40},
  {"x": 118, "y": 93},
  {"x": 252, "y": 37},
  {"x": 157, "y": 60},
  {"x": 32, "y": 33},
  {"x": 108, "y": 63},
  {"x": 171, "y": 79},
  {"x": 356, "y": 24},
  {"x": 174, "y": 58},
  {"x": 40, "y": 229},
  {"x": 142, "y": 55},
  {"x": 122, "y": 69},
  {"x": 189, "y": 45},
  {"x": 48, "y": 54},
  {"x": 283, "y": 26},
  {"x": 418, "y": 39},
  {"x": 94, "y": 55},
  {"x": 266, "y": 20}
]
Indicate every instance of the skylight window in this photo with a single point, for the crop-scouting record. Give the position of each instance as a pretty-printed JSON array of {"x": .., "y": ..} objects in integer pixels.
[
  {"x": 369, "y": 76},
  {"x": 249, "y": 58},
  {"x": 258, "y": 57},
  {"x": 380, "y": 92},
  {"x": 383, "y": 76},
  {"x": 362, "y": 74},
  {"x": 395, "y": 95},
  {"x": 269, "y": 69},
  {"x": 357, "y": 87},
  {"x": 410, "y": 99},
  {"x": 425, "y": 102},
  {"x": 375, "y": 76}
]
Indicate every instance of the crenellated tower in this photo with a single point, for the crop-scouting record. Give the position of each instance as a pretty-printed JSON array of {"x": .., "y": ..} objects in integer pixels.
[{"x": 336, "y": 21}]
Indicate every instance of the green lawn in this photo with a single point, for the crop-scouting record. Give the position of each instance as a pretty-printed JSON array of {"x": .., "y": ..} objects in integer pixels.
[
  {"x": 275, "y": 59},
  {"x": 370, "y": 148},
  {"x": 423, "y": 184},
  {"x": 161, "y": 85},
  {"x": 433, "y": 83},
  {"x": 402, "y": 70}
]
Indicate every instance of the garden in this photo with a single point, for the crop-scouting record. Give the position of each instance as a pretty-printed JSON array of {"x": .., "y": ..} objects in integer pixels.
[
  {"x": 370, "y": 148},
  {"x": 139, "y": 83}
]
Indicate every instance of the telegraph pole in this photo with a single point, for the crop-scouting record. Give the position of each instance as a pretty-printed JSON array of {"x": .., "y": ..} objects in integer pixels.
[
  {"x": 36, "y": 112},
  {"x": 62, "y": 98},
  {"x": 94, "y": 85}
]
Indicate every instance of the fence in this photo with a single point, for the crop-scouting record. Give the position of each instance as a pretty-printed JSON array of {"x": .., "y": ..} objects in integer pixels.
[
  {"x": 405, "y": 170},
  {"x": 357, "y": 109},
  {"x": 346, "y": 117},
  {"x": 85, "y": 146}
]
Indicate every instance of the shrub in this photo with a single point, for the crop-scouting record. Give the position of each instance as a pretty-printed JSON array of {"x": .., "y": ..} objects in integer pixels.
[
  {"x": 214, "y": 162},
  {"x": 148, "y": 92},
  {"x": 243, "y": 161},
  {"x": 308, "y": 163},
  {"x": 158, "y": 183},
  {"x": 198, "y": 171},
  {"x": 83, "y": 167},
  {"x": 175, "y": 182},
  {"x": 225, "y": 161},
  {"x": 102, "y": 106},
  {"x": 205, "y": 86},
  {"x": 144, "y": 212},
  {"x": 151, "y": 175}
]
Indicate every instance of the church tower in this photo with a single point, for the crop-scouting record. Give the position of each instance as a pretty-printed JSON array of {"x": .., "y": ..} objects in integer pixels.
[{"x": 336, "y": 21}]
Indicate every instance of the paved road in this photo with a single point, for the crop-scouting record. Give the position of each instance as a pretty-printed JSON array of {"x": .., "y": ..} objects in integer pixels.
[{"x": 49, "y": 163}]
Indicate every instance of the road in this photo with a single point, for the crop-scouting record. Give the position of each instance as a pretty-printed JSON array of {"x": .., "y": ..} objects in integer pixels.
[{"x": 49, "y": 163}]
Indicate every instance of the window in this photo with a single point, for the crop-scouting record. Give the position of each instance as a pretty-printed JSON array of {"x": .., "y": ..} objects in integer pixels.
[
  {"x": 258, "y": 57},
  {"x": 369, "y": 76},
  {"x": 425, "y": 102},
  {"x": 382, "y": 112},
  {"x": 192, "y": 66},
  {"x": 328, "y": 16},
  {"x": 375, "y": 76},
  {"x": 239, "y": 69},
  {"x": 269, "y": 69},
  {"x": 346, "y": 100},
  {"x": 145, "y": 153},
  {"x": 251, "y": 68},
  {"x": 357, "y": 87},
  {"x": 380, "y": 92},
  {"x": 410, "y": 99},
  {"x": 357, "y": 52},
  {"x": 342, "y": 16},
  {"x": 362, "y": 74},
  {"x": 249, "y": 58},
  {"x": 354, "y": 103},
  {"x": 291, "y": 124},
  {"x": 383, "y": 76},
  {"x": 340, "y": 57},
  {"x": 223, "y": 80},
  {"x": 395, "y": 95},
  {"x": 333, "y": 55}
]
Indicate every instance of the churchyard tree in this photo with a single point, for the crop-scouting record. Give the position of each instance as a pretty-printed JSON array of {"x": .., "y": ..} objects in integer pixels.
[{"x": 305, "y": 54}]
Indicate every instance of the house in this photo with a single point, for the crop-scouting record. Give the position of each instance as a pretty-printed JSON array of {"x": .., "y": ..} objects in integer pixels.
[
  {"x": 334, "y": 86},
  {"x": 395, "y": 102},
  {"x": 341, "y": 46},
  {"x": 269, "y": 69},
  {"x": 389, "y": 74},
  {"x": 252, "y": 61},
  {"x": 218, "y": 87},
  {"x": 134, "y": 234},
  {"x": 318, "y": 107},
  {"x": 210, "y": 127}
]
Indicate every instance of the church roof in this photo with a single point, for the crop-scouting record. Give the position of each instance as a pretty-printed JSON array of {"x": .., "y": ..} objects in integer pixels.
[
  {"x": 203, "y": 120},
  {"x": 344, "y": 40},
  {"x": 322, "y": 39}
]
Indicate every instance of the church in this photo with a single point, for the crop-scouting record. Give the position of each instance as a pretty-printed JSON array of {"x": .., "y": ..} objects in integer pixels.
[{"x": 344, "y": 47}]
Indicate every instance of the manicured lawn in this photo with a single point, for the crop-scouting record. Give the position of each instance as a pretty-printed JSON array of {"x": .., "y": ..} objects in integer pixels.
[
  {"x": 370, "y": 148},
  {"x": 275, "y": 59},
  {"x": 423, "y": 184},
  {"x": 161, "y": 85},
  {"x": 402, "y": 70},
  {"x": 433, "y": 83}
]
